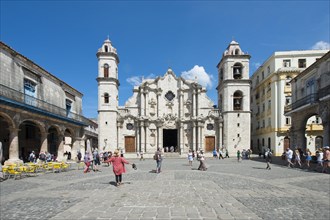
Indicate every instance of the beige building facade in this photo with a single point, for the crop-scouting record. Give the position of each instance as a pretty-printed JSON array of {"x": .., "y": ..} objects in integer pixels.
[
  {"x": 271, "y": 96},
  {"x": 38, "y": 111},
  {"x": 171, "y": 112},
  {"x": 310, "y": 108}
]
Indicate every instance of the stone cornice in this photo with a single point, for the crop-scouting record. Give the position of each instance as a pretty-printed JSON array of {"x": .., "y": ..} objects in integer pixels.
[
  {"x": 108, "y": 54},
  {"x": 110, "y": 79}
]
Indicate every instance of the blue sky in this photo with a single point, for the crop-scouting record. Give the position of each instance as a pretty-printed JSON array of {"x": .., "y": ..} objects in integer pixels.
[{"x": 150, "y": 36}]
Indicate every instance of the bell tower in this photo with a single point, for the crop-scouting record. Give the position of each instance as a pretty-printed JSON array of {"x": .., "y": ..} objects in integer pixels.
[
  {"x": 108, "y": 84},
  {"x": 234, "y": 98}
]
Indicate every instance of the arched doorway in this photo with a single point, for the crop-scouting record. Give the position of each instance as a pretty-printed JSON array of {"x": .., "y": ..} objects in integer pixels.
[
  {"x": 53, "y": 140},
  {"x": 170, "y": 140},
  {"x": 314, "y": 133},
  {"x": 29, "y": 137},
  {"x": 4, "y": 138},
  {"x": 286, "y": 143}
]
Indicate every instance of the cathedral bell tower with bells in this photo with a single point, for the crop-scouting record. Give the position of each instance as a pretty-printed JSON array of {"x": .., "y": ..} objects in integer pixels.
[
  {"x": 108, "y": 84},
  {"x": 234, "y": 98}
]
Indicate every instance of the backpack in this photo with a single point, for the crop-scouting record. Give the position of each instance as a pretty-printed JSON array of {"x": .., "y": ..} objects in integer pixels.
[{"x": 155, "y": 157}]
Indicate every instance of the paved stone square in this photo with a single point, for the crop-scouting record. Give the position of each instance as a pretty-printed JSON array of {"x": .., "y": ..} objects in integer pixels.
[{"x": 227, "y": 190}]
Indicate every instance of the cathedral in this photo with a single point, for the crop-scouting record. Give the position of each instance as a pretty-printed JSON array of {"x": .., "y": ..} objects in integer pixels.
[{"x": 173, "y": 113}]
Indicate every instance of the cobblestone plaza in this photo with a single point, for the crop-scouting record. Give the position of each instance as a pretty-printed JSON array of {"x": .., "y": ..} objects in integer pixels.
[{"x": 227, "y": 190}]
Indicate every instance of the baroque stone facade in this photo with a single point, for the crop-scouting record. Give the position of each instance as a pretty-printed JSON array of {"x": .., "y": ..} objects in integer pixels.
[{"x": 173, "y": 113}]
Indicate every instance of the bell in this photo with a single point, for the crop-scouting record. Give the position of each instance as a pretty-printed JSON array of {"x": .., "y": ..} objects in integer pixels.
[{"x": 237, "y": 102}]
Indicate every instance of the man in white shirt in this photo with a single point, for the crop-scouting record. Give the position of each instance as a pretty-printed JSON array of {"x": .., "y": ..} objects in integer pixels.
[{"x": 288, "y": 155}]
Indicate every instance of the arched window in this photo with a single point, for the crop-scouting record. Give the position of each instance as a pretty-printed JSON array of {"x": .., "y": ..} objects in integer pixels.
[
  {"x": 221, "y": 74},
  {"x": 106, "y": 70},
  {"x": 106, "y": 49},
  {"x": 237, "y": 51},
  {"x": 237, "y": 71},
  {"x": 238, "y": 99},
  {"x": 106, "y": 98}
]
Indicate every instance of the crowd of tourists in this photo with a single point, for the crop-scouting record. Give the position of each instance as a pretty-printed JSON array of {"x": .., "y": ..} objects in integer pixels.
[{"x": 303, "y": 159}]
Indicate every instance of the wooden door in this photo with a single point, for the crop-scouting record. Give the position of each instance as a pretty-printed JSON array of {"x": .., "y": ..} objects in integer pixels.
[
  {"x": 209, "y": 143},
  {"x": 286, "y": 143},
  {"x": 129, "y": 144}
]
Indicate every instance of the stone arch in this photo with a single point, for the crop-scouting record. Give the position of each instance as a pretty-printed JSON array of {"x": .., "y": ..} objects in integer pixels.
[
  {"x": 238, "y": 100},
  {"x": 7, "y": 124},
  {"x": 237, "y": 71},
  {"x": 30, "y": 138},
  {"x": 53, "y": 139}
]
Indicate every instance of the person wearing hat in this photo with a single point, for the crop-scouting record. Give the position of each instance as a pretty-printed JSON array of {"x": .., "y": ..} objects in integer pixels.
[{"x": 118, "y": 164}]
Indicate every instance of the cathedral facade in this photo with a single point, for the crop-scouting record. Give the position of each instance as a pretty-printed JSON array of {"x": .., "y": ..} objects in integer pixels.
[{"x": 173, "y": 113}]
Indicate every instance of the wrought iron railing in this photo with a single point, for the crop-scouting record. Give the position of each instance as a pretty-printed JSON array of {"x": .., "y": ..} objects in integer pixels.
[
  {"x": 11, "y": 96},
  {"x": 310, "y": 99},
  {"x": 324, "y": 92}
]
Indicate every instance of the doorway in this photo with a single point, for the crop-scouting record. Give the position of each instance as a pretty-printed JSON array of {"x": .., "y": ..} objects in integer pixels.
[{"x": 170, "y": 140}]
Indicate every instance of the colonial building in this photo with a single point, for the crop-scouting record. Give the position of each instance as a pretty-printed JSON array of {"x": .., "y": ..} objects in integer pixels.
[
  {"x": 173, "y": 113},
  {"x": 311, "y": 99},
  {"x": 38, "y": 111},
  {"x": 271, "y": 95}
]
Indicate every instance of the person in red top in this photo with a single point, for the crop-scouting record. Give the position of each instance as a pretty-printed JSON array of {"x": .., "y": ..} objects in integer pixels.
[{"x": 118, "y": 164}]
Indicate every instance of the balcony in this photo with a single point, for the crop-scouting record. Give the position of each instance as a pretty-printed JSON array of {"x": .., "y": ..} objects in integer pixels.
[
  {"x": 310, "y": 99},
  {"x": 17, "y": 99},
  {"x": 324, "y": 92}
]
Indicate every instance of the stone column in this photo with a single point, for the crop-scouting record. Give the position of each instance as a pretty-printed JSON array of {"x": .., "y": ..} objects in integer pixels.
[
  {"x": 326, "y": 134},
  {"x": 181, "y": 138},
  {"x": 220, "y": 136},
  {"x": 75, "y": 147},
  {"x": 60, "y": 149},
  {"x": 44, "y": 142},
  {"x": 137, "y": 134},
  {"x": 158, "y": 95},
  {"x": 181, "y": 104},
  {"x": 147, "y": 136},
  {"x": 160, "y": 136},
  {"x": 142, "y": 136},
  {"x": 199, "y": 136},
  {"x": 194, "y": 103},
  {"x": 194, "y": 137},
  {"x": 13, "y": 145},
  {"x": 142, "y": 103},
  {"x": 147, "y": 103},
  {"x": 202, "y": 136}
]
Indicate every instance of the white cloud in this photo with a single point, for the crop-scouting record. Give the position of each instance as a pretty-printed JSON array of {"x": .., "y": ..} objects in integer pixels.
[
  {"x": 321, "y": 45},
  {"x": 137, "y": 80},
  {"x": 199, "y": 73},
  {"x": 257, "y": 65}
]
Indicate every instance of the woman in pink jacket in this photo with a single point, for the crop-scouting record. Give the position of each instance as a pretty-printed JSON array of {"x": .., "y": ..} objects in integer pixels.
[{"x": 118, "y": 164}]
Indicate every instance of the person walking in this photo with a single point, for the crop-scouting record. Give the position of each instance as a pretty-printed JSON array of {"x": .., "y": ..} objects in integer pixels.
[
  {"x": 87, "y": 161},
  {"x": 118, "y": 164},
  {"x": 158, "y": 157},
  {"x": 220, "y": 154},
  {"x": 215, "y": 154},
  {"x": 308, "y": 156},
  {"x": 268, "y": 155},
  {"x": 96, "y": 160},
  {"x": 190, "y": 157},
  {"x": 288, "y": 155},
  {"x": 297, "y": 157},
  {"x": 227, "y": 154},
  {"x": 201, "y": 158},
  {"x": 238, "y": 155}
]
